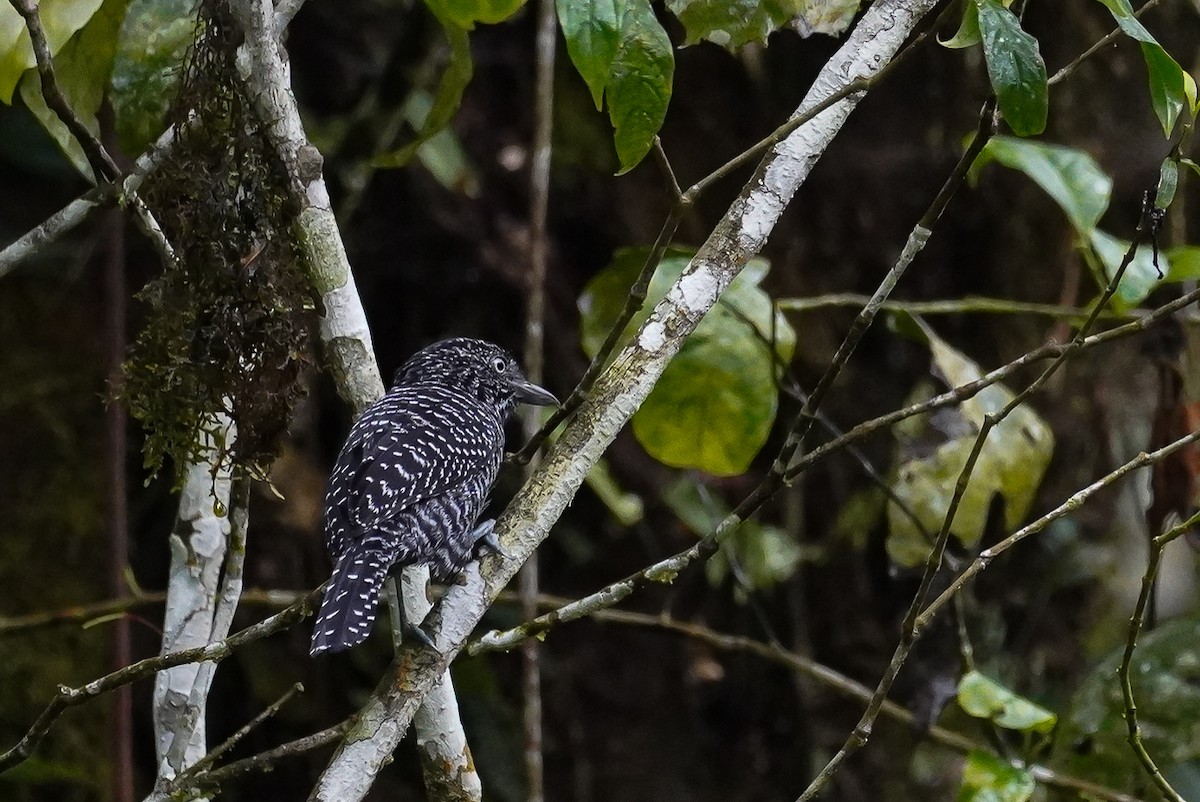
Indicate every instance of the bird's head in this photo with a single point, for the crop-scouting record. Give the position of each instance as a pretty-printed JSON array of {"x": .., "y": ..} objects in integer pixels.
[{"x": 485, "y": 371}]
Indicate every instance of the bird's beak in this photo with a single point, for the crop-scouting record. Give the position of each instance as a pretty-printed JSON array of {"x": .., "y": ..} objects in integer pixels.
[{"x": 530, "y": 393}]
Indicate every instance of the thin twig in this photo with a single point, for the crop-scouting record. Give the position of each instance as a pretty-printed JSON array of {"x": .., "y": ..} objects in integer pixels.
[
  {"x": 1124, "y": 670},
  {"x": 72, "y": 697},
  {"x": 534, "y": 362},
  {"x": 843, "y": 686},
  {"x": 206, "y": 762},
  {"x": 1103, "y": 42},
  {"x": 959, "y": 306}
]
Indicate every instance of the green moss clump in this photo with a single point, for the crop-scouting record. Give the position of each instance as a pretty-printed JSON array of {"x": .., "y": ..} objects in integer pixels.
[{"x": 230, "y": 321}]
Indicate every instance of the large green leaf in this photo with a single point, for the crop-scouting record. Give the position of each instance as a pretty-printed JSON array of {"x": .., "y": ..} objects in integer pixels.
[
  {"x": 465, "y": 13},
  {"x": 61, "y": 19},
  {"x": 1071, "y": 177},
  {"x": 146, "y": 70},
  {"x": 714, "y": 405},
  {"x": 934, "y": 448},
  {"x": 1140, "y": 277},
  {"x": 987, "y": 778},
  {"x": 1015, "y": 67},
  {"x": 81, "y": 68},
  {"x": 983, "y": 697},
  {"x": 1092, "y": 738},
  {"x": 1171, "y": 88},
  {"x": 625, "y": 57}
]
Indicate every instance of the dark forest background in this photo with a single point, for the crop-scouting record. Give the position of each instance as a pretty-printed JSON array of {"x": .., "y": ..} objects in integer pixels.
[{"x": 631, "y": 713}]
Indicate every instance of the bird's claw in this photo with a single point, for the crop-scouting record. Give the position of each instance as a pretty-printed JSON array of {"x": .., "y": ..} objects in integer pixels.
[
  {"x": 486, "y": 540},
  {"x": 415, "y": 632}
]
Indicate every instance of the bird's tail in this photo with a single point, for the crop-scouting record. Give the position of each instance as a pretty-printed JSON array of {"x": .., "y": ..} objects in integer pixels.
[{"x": 348, "y": 611}]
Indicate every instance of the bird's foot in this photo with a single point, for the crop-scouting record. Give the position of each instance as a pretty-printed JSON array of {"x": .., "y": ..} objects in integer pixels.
[
  {"x": 417, "y": 633},
  {"x": 486, "y": 541}
]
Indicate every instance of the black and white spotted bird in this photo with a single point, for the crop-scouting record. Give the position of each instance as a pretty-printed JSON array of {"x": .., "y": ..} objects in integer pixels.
[{"x": 413, "y": 477}]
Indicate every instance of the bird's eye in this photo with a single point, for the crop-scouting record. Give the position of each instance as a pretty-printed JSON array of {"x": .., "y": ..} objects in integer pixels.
[{"x": 500, "y": 364}]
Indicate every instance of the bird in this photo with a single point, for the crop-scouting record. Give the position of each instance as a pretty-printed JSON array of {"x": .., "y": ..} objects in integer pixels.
[{"x": 413, "y": 477}]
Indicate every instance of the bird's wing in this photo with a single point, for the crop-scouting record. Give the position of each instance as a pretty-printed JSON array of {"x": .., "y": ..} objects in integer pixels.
[{"x": 413, "y": 444}]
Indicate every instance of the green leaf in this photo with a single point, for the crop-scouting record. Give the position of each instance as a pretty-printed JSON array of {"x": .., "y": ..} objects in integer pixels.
[
  {"x": 1183, "y": 263},
  {"x": 465, "y": 13},
  {"x": 61, "y": 19},
  {"x": 593, "y": 33},
  {"x": 765, "y": 555},
  {"x": 1092, "y": 739},
  {"x": 934, "y": 448},
  {"x": 1016, "y": 69},
  {"x": 1071, "y": 177},
  {"x": 1171, "y": 89},
  {"x": 987, "y": 778},
  {"x": 982, "y": 697},
  {"x": 1168, "y": 182},
  {"x": 82, "y": 68},
  {"x": 624, "y": 56},
  {"x": 967, "y": 34},
  {"x": 1141, "y": 276},
  {"x": 146, "y": 70},
  {"x": 713, "y": 407},
  {"x": 731, "y": 23},
  {"x": 437, "y": 116}
]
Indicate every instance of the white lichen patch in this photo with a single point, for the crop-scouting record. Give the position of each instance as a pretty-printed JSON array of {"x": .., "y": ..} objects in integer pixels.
[
  {"x": 696, "y": 291},
  {"x": 653, "y": 335}
]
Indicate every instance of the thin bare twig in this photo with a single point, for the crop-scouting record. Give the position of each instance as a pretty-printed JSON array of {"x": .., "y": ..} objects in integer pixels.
[
  {"x": 1102, "y": 43},
  {"x": 1124, "y": 670},
  {"x": 72, "y": 697}
]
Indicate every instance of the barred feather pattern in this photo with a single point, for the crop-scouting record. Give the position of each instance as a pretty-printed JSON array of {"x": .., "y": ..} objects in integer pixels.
[{"x": 408, "y": 486}]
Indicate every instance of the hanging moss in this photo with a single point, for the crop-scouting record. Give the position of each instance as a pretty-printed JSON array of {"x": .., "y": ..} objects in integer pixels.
[{"x": 230, "y": 321}]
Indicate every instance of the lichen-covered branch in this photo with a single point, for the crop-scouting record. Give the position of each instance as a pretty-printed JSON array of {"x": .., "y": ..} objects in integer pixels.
[
  {"x": 198, "y": 550},
  {"x": 617, "y": 394}
]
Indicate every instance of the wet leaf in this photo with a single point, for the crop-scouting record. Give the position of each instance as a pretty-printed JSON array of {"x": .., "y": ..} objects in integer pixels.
[
  {"x": 934, "y": 449},
  {"x": 1092, "y": 740},
  {"x": 983, "y": 697},
  {"x": 1171, "y": 89},
  {"x": 731, "y": 23},
  {"x": 625, "y": 57},
  {"x": 1141, "y": 276},
  {"x": 1015, "y": 67}
]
